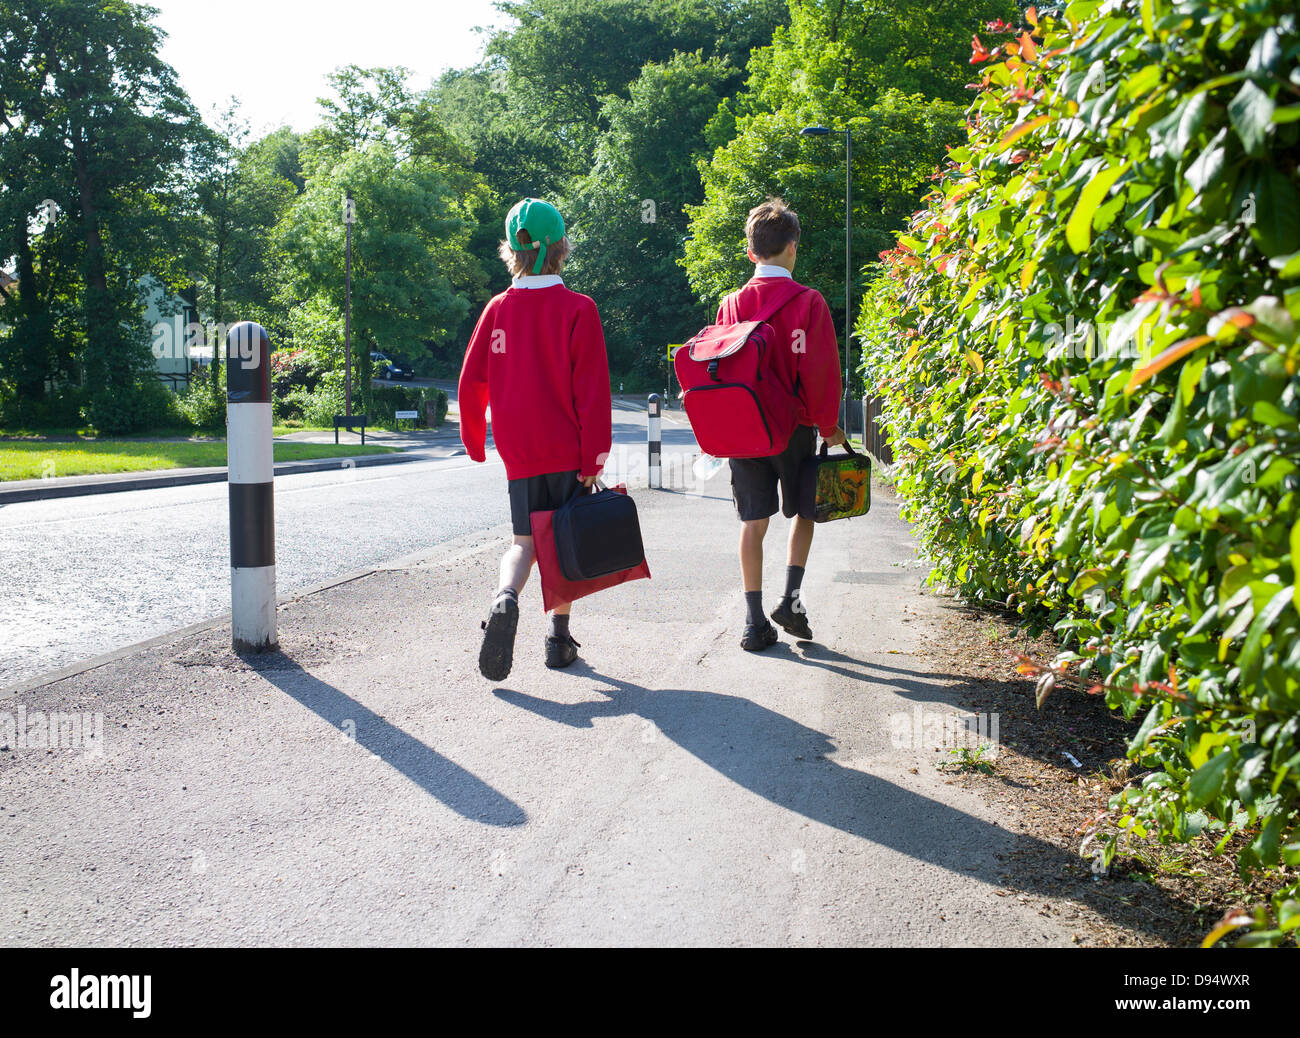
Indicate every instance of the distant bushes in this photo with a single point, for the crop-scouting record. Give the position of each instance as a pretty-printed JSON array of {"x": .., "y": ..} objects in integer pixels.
[
  {"x": 201, "y": 405},
  {"x": 387, "y": 400},
  {"x": 63, "y": 410},
  {"x": 143, "y": 406},
  {"x": 302, "y": 392}
]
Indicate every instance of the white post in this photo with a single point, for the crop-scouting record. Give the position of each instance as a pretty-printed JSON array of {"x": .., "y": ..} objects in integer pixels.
[
  {"x": 251, "y": 476},
  {"x": 654, "y": 436}
]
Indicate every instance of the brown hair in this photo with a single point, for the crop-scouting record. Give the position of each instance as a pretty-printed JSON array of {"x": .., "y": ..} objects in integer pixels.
[
  {"x": 520, "y": 262},
  {"x": 771, "y": 227}
]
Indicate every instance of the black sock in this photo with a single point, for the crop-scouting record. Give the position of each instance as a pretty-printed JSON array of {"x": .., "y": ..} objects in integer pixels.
[
  {"x": 793, "y": 580},
  {"x": 559, "y": 625},
  {"x": 754, "y": 607},
  {"x": 507, "y": 591}
]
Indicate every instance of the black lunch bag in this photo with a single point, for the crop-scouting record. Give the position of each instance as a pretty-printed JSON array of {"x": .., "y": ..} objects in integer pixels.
[{"x": 597, "y": 534}]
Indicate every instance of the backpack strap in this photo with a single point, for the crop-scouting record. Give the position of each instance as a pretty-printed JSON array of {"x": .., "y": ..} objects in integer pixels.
[
  {"x": 767, "y": 312},
  {"x": 728, "y": 311}
]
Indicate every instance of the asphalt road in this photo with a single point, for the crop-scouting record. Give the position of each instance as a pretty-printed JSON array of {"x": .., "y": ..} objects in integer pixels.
[{"x": 86, "y": 576}]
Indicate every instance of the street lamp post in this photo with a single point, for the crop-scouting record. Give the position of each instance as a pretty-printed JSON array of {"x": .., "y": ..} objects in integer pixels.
[
  {"x": 349, "y": 218},
  {"x": 189, "y": 318},
  {"x": 822, "y": 131}
]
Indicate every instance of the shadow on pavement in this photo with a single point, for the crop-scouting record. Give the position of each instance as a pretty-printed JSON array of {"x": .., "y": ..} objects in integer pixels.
[
  {"x": 445, "y": 780},
  {"x": 828, "y": 659},
  {"x": 1044, "y": 741},
  {"x": 759, "y": 750}
]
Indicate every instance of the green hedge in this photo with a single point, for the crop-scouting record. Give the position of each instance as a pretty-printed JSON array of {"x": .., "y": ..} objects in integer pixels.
[{"x": 1130, "y": 170}]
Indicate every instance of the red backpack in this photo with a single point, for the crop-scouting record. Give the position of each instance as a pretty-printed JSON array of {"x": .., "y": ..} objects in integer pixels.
[{"x": 734, "y": 411}]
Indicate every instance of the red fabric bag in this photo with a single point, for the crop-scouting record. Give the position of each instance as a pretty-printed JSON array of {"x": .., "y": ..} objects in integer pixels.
[{"x": 555, "y": 589}]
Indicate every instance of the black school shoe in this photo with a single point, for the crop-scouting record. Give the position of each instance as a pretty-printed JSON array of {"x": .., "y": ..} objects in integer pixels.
[
  {"x": 560, "y": 652},
  {"x": 793, "y": 618},
  {"x": 758, "y": 637},
  {"x": 498, "y": 652}
]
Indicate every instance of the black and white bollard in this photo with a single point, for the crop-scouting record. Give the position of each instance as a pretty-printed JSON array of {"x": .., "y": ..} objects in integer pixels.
[
  {"x": 654, "y": 435},
  {"x": 251, "y": 473}
]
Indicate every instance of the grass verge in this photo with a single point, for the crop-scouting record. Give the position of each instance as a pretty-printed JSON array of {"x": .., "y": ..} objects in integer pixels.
[{"x": 51, "y": 459}]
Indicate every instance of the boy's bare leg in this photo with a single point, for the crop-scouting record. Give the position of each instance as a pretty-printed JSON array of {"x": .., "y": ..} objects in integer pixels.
[
  {"x": 516, "y": 564},
  {"x": 759, "y": 634},
  {"x": 801, "y": 537},
  {"x": 752, "y": 532}
]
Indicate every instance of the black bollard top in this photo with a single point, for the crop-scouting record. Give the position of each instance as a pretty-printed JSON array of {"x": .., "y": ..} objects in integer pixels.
[{"x": 248, "y": 364}]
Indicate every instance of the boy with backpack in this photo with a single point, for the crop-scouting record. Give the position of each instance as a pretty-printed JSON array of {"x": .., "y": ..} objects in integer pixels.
[
  {"x": 537, "y": 358},
  {"x": 801, "y": 363}
]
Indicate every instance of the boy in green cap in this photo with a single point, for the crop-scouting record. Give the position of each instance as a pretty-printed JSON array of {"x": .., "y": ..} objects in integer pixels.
[{"x": 537, "y": 358}]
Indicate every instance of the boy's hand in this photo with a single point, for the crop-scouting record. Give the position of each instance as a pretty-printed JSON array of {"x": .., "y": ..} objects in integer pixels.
[
  {"x": 835, "y": 438},
  {"x": 588, "y": 481}
]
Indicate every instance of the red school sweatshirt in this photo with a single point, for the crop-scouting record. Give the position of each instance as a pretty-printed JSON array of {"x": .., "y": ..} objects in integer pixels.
[
  {"x": 537, "y": 357},
  {"x": 807, "y": 364}
]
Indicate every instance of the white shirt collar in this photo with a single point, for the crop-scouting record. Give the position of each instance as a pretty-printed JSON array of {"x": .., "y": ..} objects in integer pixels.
[
  {"x": 771, "y": 270},
  {"x": 536, "y": 281}
]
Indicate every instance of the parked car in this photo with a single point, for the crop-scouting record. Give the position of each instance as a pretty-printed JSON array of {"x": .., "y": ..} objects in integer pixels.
[{"x": 387, "y": 368}]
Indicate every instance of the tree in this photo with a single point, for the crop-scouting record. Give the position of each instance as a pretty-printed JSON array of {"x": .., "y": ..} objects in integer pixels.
[
  {"x": 627, "y": 88},
  {"x": 850, "y": 53},
  {"x": 893, "y": 71},
  {"x": 240, "y": 197},
  {"x": 279, "y": 152},
  {"x": 408, "y": 253},
  {"x": 35, "y": 346},
  {"x": 514, "y": 158},
  {"x": 899, "y": 141},
  {"x": 103, "y": 118},
  {"x": 628, "y": 215},
  {"x": 416, "y": 197},
  {"x": 565, "y": 57}
]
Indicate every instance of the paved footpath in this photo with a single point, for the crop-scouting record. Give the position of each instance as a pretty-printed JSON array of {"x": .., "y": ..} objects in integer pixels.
[{"x": 367, "y": 787}]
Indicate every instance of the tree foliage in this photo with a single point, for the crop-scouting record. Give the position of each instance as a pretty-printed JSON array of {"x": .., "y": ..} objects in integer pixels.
[
  {"x": 94, "y": 122},
  {"x": 564, "y": 107},
  {"x": 889, "y": 71},
  {"x": 240, "y": 195},
  {"x": 563, "y": 58},
  {"x": 628, "y": 214}
]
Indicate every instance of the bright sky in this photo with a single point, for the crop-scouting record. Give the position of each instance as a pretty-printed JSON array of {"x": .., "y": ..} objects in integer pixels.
[{"x": 274, "y": 55}]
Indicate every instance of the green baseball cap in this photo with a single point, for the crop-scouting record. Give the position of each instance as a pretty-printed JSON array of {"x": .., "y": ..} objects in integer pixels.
[{"x": 542, "y": 221}]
